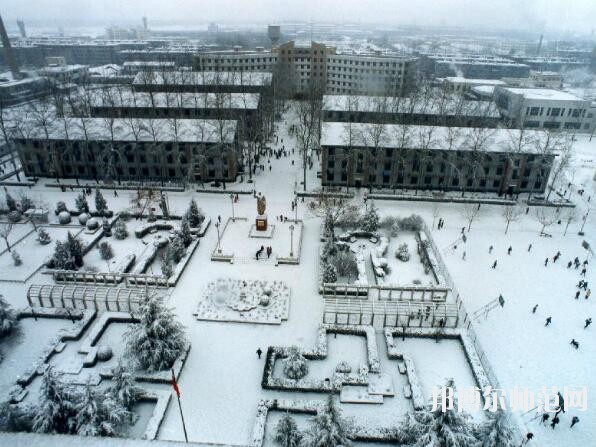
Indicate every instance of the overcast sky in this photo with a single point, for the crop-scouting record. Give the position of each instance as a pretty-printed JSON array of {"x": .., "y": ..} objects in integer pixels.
[{"x": 561, "y": 15}]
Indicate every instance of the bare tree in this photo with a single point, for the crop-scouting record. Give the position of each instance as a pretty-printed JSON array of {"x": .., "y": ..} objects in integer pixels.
[
  {"x": 470, "y": 212},
  {"x": 559, "y": 145},
  {"x": 570, "y": 215},
  {"x": 5, "y": 229},
  {"x": 308, "y": 127},
  {"x": 332, "y": 210},
  {"x": 511, "y": 213},
  {"x": 7, "y": 126},
  {"x": 546, "y": 216}
]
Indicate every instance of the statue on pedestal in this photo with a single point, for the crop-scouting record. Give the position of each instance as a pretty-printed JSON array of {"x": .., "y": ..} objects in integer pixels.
[{"x": 261, "y": 222}]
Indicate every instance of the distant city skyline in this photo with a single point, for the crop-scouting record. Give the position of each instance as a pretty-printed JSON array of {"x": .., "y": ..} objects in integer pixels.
[{"x": 577, "y": 17}]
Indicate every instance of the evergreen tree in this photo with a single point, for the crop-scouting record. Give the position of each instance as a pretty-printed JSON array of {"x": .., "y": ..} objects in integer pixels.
[
  {"x": 100, "y": 203},
  {"x": 287, "y": 433},
  {"x": 75, "y": 249},
  {"x": 11, "y": 203},
  {"x": 8, "y": 318},
  {"x": 402, "y": 252},
  {"x": 176, "y": 249},
  {"x": 80, "y": 203},
  {"x": 329, "y": 249},
  {"x": 157, "y": 340},
  {"x": 370, "y": 220},
  {"x": 97, "y": 415},
  {"x": 120, "y": 230},
  {"x": 61, "y": 206},
  {"x": 163, "y": 205},
  {"x": 329, "y": 273},
  {"x": 328, "y": 429},
  {"x": 124, "y": 389},
  {"x": 43, "y": 237},
  {"x": 17, "y": 417},
  {"x": 194, "y": 215},
  {"x": 444, "y": 426},
  {"x": 294, "y": 365},
  {"x": 62, "y": 260},
  {"x": 185, "y": 232},
  {"x": 495, "y": 432},
  {"x": 16, "y": 258},
  {"x": 167, "y": 269},
  {"x": 56, "y": 407},
  {"x": 26, "y": 203},
  {"x": 105, "y": 251}
]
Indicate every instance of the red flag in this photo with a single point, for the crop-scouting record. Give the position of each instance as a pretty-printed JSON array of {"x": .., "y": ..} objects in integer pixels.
[{"x": 175, "y": 384}]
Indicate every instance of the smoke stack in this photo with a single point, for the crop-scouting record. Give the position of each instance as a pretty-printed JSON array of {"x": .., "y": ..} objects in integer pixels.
[
  {"x": 145, "y": 24},
  {"x": 10, "y": 60},
  {"x": 21, "y": 26}
]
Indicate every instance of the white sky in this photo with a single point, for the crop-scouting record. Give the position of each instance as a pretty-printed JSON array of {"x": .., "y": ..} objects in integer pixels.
[{"x": 561, "y": 15}]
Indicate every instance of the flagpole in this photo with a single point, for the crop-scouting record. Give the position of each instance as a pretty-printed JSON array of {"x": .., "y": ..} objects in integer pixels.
[{"x": 179, "y": 405}]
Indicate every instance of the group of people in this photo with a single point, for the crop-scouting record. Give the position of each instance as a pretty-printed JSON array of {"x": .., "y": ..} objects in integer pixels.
[{"x": 268, "y": 250}]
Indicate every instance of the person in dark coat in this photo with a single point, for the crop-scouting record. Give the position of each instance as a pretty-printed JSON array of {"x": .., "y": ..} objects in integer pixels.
[
  {"x": 259, "y": 352},
  {"x": 574, "y": 420},
  {"x": 548, "y": 321}
]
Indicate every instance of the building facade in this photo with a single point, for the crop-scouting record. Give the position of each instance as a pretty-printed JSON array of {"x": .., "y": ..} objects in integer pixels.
[
  {"x": 471, "y": 66},
  {"x": 117, "y": 149},
  {"x": 421, "y": 157},
  {"x": 544, "y": 108}
]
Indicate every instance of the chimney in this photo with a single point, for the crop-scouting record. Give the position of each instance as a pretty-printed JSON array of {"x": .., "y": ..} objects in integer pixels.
[
  {"x": 10, "y": 60},
  {"x": 21, "y": 26}
]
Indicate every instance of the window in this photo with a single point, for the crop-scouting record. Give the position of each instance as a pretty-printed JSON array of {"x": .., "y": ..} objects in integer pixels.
[{"x": 534, "y": 111}]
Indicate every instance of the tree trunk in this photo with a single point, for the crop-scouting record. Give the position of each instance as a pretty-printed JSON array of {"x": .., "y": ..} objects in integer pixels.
[{"x": 507, "y": 227}]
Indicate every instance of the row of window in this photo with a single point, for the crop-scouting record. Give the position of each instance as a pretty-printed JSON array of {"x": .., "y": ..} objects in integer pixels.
[{"x": 555, "y": 111}]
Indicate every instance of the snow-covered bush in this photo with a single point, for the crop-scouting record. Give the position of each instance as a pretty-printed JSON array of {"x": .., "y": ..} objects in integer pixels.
[
  {"x": 81, "y": 203},
  {"x": 56, "y": 407},
  {"x": 68, "y": 255},
  {"x": 329, "y": 273},
  {"x": 402, "y": 253},
  {"x": 125, "y": 215},
  {"x": 294, "y": 365},
  {"x": 11, "y": 203},
  {"x": 167, "y": 268},
  {"x": 157, "y": 340},
  {"x": 184, "y": 232},
  {"x": 344, "y": 263},
  {"x": 64, "y": 217},
  {"x": 151, "y": 216},
  {"x": 194, "y": 214},
  {"x": 16, "y": 258},
  {"x": 43, "y": 237},
  {"x": 343, "y": 367},
  {"x": 83, "y": 218},
  {"x": 329, "y": 249},
  {"x": 97, "y": 414},
  {"x": 105, "y": 251},
  {"x": 175, "y": 250},
  {"x": 495, "y": 431},
  {"x": 287, "y": 433},
  {"x": 14, "y": 216},
  {"x": 92, "y": 224},
  {"x": 411, "y": 223},
  {"x": 26, "y": 203},
  {"x": 120, "y": 230},
  {"x": 8, "y": 318}
]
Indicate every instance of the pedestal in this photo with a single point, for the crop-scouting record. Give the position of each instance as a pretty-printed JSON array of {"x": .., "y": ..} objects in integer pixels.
[{"x": 261, "y": 222}]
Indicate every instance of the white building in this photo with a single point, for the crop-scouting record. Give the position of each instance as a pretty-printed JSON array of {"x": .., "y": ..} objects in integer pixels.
[{"x": 544, "y": 108}]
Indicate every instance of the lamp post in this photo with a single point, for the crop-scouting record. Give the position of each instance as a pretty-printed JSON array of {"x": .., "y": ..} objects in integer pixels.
[
  {"x": 291, "y": 241},
  {"x": 218, "y": 237},
  {"x": 296, "y": 207},
  {"x": 581, "y": 230},
  {"x": 232, "y": 199}
]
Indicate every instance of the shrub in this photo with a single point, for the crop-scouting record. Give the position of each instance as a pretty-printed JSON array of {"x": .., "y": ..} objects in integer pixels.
[
  {"x": 295, "y": 366},
  {"x": 344, "y": 263}
]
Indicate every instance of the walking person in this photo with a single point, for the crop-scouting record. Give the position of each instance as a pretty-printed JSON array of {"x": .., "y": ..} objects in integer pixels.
[
  {"x": 548, "y": 321},
  {"x": 490, "y": 249},
  {"x": 588, "y": 293},
  {"x": 259, "y": 352},
  {"x": 583, "y": 273},
  {"x": 574, "y": 420},
  {"x": 588, "y": 323},
  {"x": 534, "y": 309},
  {"x": 577, "y": 295},
  {"x": 554, "y": 422},
  {"x": 574, "y": 343},
  {"x": 463, "y": 256},
  {"x": 495, "y": 264},
  {"x": 509, "y": 250},
  {"x": 529, "y": 247},
  {"x": 546, "y": 262}
]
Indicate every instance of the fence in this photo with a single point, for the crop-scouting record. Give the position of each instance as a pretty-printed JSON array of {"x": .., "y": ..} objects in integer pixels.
[
  {"x": 116, "y": 299},
  {"x": 97, "y": 278},
  {"x": 390, "y": 313},
  {"x": 466, "y": 322},
  {"x": 385, "y": 292}
]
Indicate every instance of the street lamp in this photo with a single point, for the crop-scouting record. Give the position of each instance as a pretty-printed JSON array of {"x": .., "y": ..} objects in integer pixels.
[
  {"x": 232, "y": 199},
  {"x": 581, "y": 230},
  {"x": 291, "y": 241},
  {"x": 296, "y": 206},
  {"x": 218, "y": 237}
]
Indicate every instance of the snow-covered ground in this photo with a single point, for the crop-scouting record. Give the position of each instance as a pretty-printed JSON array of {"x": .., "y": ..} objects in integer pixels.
[{"x": 221, "y": 380}]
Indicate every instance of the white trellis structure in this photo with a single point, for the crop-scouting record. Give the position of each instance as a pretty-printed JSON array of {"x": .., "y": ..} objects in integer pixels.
[
  {"x": 86, "y": 297},
  {"x": 390, "y": 313},
  {"x": 383, "y": 292}
]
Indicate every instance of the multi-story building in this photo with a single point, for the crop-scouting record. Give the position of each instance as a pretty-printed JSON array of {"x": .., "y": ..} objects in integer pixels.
[
  {"x": 315, "y": 65},
  {"x": 552, "y": 63},
  {"x": 537, "y": 79},
  {"x": 246, "y": 108},
  {"x": 544, "y": 108},
  {"x": 18, "y": 91},
  {"x": 447, "y": 111},
  {"x": 459, "y": 85},
  {"x": 118, "y": 149},
  {"x": 471, "y": 66},
  {"x": 131, "y": 68},
  {"x": 202, "y": 82},
  {"x": 432, "y": 158}
]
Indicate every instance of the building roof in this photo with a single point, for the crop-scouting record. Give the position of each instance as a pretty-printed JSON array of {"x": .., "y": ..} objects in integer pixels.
[
  {"x": 387, "y": 104},
  {"x": 462, "y": 80},
  {"x": 98, "y": 129},
  {"x": 204, "y": 78},
  {"x": 544, "y": 94},
  {"x": 463, "y": 138},
  {"x": 118, "y": 97}
]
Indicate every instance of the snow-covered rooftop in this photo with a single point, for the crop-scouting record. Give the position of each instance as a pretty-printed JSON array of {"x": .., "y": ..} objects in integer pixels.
[
  {"x": 100, "y": 129},
  {"x": 462, "y": 80},
  {"x": 204, "y": 78},
  {"x": 544, "y": 93},
  {"x": 461, "y": 138},
  {"x": 118, "y": 97},
  {"x": 447, "y": 105}
]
